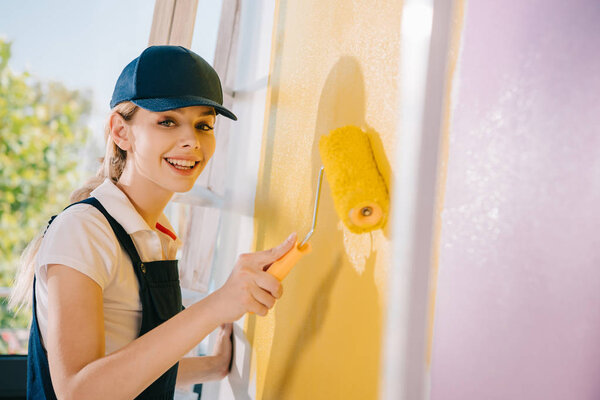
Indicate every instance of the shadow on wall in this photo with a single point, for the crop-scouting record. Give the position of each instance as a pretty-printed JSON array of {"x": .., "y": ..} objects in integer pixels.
[
  {"x": 342, "y": 103},
  {"x": 328, "y": 302}
]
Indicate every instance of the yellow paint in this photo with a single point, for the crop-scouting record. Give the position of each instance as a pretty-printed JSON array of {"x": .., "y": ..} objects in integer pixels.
[
  {"x": 333, "y": 64},
  {"x": 458, "y": 13}
]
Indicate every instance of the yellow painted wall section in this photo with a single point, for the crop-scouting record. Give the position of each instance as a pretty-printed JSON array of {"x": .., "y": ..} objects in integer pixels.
[{"x": 334, "y": 63}]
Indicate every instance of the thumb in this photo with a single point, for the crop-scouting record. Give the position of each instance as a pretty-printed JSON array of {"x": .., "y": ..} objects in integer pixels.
[
  {"x": 227, "y": 328},
  {"x": 267, "y": 257}
]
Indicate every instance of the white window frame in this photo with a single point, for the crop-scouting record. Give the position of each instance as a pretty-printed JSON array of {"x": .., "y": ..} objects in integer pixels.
[
  {"x": 405, "y": 373},
  {"x": 222, "y": 221}
]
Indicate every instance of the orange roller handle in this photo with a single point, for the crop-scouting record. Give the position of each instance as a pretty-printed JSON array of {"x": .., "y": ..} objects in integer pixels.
[{"x": 280, "y": 268}]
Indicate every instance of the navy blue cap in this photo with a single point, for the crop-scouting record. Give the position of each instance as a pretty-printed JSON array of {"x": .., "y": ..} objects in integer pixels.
[{"x": 166, "y": 77}]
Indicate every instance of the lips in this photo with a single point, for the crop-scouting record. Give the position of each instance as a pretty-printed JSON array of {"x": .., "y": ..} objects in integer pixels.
[
  {"x": 181, "y": 163},
  {"x": 182, "y": 166}
]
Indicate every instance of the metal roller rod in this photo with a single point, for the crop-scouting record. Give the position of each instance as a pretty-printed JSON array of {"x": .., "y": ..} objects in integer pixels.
[{"x": 316, "y": 210}]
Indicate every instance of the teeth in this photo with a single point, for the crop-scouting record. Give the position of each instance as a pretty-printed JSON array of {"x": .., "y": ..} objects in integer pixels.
[{"x": 182, "y": 163}]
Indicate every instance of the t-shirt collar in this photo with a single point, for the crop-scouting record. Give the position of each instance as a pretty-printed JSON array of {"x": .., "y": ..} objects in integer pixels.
[{"x": 118, "y": 205}]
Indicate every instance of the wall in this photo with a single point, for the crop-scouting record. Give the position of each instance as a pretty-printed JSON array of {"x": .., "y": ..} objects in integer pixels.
[
  {"x": 333, "y": 64},
  {"x": 517, "y": 301}
]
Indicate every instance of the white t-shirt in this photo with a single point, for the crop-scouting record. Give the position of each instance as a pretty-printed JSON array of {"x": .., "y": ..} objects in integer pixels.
[{"x": 80, "y": 237}]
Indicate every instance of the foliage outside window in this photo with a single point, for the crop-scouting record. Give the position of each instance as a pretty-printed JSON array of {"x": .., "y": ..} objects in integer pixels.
[{"x": 42, "y": 132}]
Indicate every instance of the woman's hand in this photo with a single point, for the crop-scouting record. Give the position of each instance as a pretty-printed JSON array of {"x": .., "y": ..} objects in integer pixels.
[
  {"x": 249, "y": 288},
  {"x": 223, "y": 348},
  {"x": 193, "y": 370}
]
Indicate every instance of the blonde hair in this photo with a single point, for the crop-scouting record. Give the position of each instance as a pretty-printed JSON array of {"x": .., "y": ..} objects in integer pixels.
[{"x": 112, "y": 165}]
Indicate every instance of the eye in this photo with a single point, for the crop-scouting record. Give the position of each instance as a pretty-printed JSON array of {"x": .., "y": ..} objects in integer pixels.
[
  {"x": 167, "y": 123},
  {"x": 204, "y": 127}
]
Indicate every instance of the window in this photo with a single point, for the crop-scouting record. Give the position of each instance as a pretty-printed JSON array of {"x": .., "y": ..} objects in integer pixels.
[{"x": 55, "y": 88}]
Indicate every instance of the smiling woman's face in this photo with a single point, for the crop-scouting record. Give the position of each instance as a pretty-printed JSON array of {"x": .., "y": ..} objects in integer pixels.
[{"x": 171, "y": 148}]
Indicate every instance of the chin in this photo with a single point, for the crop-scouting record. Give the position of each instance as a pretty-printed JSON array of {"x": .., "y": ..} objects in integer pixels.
[{"x": 182, "y": 187}]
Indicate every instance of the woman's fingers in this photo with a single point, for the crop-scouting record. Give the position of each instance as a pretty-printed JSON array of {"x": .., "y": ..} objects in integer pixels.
[
  {"x": 223, "y": 340},
  {"x": 269, "y": 283},
  {"x": 222, "y": 349},
  {"x": 267, "y": 257},
  {"x": 227, "y": 328},
  {"x": 249, "y": 288},
  {"x": 264, "y": 299},
  {"x": 258, "y": 308}
]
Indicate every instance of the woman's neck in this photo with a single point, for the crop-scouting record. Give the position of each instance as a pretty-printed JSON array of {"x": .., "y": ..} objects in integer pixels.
[{"x": 148, "y": 198}]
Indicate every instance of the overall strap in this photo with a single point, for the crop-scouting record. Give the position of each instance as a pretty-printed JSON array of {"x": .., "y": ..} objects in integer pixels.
[
  {"x": 160, "y": 296},
  {"x": 119, "y": 231}
]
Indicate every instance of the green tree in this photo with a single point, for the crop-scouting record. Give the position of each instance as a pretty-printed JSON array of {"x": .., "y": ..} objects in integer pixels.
[{"x": 42, "y": 132}]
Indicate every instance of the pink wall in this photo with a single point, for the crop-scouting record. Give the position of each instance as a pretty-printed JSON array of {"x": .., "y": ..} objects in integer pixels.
[{"x": 518, "y": 301}]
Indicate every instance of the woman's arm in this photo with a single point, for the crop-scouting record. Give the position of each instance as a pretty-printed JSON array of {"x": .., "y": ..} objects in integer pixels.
[
  {"x": 194, "y": 370},
  {"x": 75, "y": 340}
]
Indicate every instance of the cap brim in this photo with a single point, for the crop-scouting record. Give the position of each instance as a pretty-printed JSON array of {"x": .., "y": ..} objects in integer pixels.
[{"x": 170, "y": 103}]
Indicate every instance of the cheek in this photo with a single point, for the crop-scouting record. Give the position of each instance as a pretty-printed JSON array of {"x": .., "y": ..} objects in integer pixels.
[
  {"x": 209, "y": 145},
  {"x": 148, "y": 145}
]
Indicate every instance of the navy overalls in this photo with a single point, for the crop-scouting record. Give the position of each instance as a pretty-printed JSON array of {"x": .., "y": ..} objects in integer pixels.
[{"x": 160, "y": 295}]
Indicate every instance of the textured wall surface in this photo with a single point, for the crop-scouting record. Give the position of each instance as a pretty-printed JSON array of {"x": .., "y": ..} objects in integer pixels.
[
  {"x": 518, "y": 300},
  {"x": 333, "y": 64}
]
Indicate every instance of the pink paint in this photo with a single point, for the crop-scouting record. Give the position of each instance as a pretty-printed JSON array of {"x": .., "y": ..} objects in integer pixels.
[{"x": 518, "y": 305}]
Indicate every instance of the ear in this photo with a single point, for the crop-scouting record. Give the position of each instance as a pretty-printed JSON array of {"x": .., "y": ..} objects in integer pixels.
[{"x": 119, "y": 131}]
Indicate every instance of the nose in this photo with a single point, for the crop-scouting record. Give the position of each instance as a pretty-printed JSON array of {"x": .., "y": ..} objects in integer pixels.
[{"x": 189, "y": 138}]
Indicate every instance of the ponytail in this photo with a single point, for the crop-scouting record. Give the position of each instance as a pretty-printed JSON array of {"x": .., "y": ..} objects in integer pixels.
[{"x": 112, "y": 165}]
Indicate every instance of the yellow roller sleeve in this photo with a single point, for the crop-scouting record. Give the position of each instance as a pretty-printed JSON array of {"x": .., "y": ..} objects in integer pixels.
[{"x": 359, "y": 192}]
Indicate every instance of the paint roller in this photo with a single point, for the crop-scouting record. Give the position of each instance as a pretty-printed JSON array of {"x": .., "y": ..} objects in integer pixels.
[{"x": 360, "y": 195}]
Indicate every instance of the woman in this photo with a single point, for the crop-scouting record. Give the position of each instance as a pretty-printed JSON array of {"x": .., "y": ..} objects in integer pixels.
[{"x": 107, "y": 320}]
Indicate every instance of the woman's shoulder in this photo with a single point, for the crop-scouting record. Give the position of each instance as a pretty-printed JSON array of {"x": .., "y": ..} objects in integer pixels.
[
  {"x": 81, "y": 237},
  {"x": 79, "y": 215},
  {"x": 80, "y": 222}
]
